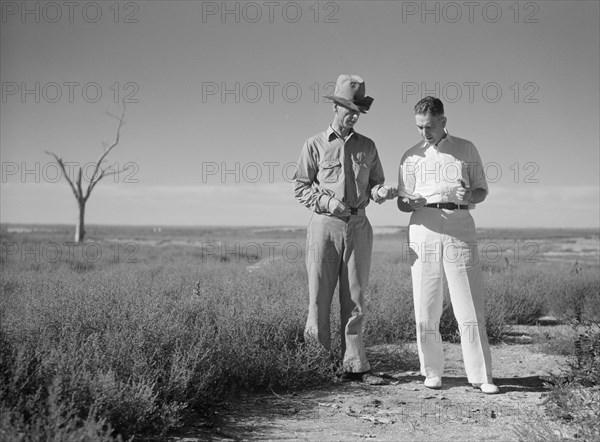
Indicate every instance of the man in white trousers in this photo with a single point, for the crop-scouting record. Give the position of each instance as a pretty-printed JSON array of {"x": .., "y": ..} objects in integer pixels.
[
  {"x": 441, "y": 179},
  {"x": 338, "y": 173}
]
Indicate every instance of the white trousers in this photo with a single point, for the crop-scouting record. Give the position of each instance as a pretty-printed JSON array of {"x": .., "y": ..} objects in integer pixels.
[{"x": 444, "y": 241}]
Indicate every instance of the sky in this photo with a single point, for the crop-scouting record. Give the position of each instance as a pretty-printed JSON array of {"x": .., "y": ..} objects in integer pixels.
[{"x": 220, "y": 97}]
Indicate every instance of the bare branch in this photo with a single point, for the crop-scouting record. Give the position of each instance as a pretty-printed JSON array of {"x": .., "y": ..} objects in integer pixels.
[
  {"x": 98, "y": 173},
  {"x": 93, "y": 184},
  {"x": 64, "y": 171},
  {"x": 104, "y": 173},
  {"x": 114, "y": 172},
  {"x": 115, "y": 116}
]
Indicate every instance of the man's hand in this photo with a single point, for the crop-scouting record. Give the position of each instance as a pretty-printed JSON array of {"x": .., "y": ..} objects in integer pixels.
[
  {"x": 469, "y": 195},
  {"x": 464, "y": 192},
  {"x": 464, "y": 195},
  {"x": 415, "y": 203},
  {"x": 387, "y": 192},
  {"x": 338, "y": 208}
]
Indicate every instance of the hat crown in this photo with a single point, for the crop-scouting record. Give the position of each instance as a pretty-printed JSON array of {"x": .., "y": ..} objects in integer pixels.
[
  {"x": 350, "y": 87},
  {"x": 349, "y": 92}
]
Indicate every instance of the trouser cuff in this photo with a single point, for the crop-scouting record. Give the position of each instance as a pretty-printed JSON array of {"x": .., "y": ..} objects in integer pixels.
[{"x": 356, "y": 367}]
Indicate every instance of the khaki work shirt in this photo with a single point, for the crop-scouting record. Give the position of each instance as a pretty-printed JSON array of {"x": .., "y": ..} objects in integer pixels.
[{"x": 329, "y": 166}]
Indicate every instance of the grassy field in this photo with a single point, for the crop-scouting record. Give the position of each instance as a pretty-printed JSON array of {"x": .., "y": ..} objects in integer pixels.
[{"x": 123, "y": 334}]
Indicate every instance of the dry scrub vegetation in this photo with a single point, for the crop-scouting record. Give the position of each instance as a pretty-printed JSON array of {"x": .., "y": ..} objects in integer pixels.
[{"x": 103, "y": 350}]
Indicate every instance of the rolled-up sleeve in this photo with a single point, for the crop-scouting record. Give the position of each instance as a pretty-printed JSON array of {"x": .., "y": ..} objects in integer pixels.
[
  {"x": 376, "y": 177},
  {"x": 476, "y": 171},
  {"x": 406, "y": 176},
  {"x": 306, "y": 191}
]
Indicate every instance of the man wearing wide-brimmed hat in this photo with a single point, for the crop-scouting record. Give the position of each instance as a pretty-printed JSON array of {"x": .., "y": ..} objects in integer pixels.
[{"x": 338, "y": 172}]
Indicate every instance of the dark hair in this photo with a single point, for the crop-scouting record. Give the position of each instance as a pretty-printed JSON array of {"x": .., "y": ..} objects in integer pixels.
[{"x": 429, "y": 105}]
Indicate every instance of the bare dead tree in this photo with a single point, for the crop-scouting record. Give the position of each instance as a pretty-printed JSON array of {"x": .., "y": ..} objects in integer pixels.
[{"x": 99, "y": 173}]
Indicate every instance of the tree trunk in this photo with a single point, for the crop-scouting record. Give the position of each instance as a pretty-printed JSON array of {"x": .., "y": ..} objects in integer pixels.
[{"x": 79, "y": 228}]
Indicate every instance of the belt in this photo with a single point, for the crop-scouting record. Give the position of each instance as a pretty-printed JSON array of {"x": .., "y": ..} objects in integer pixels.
[
  {"x": 448, "y": 206},
  {"x": 354, "y": 211}
]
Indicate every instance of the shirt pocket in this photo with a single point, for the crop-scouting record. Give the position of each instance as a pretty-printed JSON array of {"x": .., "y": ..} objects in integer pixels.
[{"x": 330, "y": 171}]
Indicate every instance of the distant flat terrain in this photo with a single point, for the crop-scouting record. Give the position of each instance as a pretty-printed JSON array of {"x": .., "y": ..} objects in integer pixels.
[{"x": 497, "y": 244}]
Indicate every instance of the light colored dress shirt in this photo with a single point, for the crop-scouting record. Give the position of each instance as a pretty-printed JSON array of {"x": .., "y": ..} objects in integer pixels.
[{"x": 435, "y": 172}]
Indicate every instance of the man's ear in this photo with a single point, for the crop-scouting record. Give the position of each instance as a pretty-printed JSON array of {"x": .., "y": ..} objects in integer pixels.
[{"x": 444, "y": 120}]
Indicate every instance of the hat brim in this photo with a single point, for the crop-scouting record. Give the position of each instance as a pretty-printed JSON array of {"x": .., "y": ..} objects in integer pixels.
[{"x": 344, "y": 102}]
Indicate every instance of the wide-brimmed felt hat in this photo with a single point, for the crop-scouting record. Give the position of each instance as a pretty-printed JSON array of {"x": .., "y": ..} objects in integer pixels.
[{"x": 349, "y": 92}]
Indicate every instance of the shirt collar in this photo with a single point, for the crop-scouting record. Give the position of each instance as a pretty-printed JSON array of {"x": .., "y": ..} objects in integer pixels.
[
  {"x": 448, "y": 138},
  {"x": 331, "y": 134}
]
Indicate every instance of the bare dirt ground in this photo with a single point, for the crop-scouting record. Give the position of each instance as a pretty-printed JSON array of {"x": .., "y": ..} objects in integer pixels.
[{"x": 402, "y": 410}]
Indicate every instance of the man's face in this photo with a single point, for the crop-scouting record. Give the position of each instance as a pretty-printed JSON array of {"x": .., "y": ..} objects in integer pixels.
[
  {"x": 431, "y": 127},
  {"x": 346, "y": 118}
]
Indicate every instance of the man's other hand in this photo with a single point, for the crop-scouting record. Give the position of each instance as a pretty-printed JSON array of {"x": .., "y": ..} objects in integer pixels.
[
  {"x": 415, "y": 203},
  {"x": 338, "y": 208},
  {"x": 463, "y": 193},
  {"x": 387, "y": 192}
]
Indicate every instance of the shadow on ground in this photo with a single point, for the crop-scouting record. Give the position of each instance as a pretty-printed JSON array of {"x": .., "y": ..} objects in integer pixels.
[
  {"x": 344, "y": 408},
  {"x": 251, "y": 416},
  {"x": 526, "y": 384}
]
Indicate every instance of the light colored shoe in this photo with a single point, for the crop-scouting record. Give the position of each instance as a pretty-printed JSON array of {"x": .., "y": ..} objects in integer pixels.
[
  {"x": 487, "y": 388},
  {"x": 434, "y": 382}
]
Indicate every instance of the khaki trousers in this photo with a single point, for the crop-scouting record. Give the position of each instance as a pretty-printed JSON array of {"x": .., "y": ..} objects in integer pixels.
[
  {"x": 444, "y": 241},
  {"x": 339, "y": 249}
]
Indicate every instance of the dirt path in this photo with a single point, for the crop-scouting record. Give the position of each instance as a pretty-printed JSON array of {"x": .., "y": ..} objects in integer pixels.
[{"x": 401, "y": 410}]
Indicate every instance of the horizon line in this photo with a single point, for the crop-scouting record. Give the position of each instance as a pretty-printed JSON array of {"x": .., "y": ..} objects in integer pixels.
[{"x": 273, "y": 226}]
